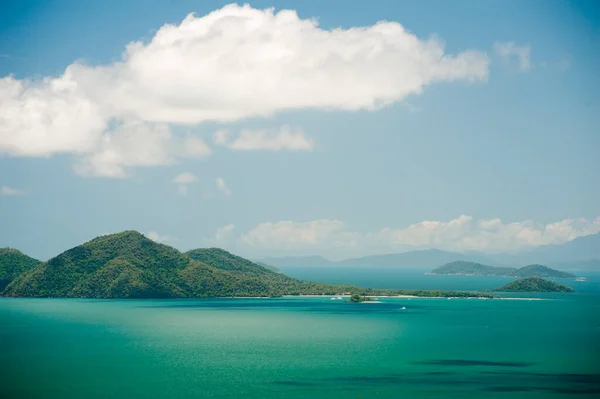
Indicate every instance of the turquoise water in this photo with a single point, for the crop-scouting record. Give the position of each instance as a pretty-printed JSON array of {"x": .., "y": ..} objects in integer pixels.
[{"x": 302, "y": 348}]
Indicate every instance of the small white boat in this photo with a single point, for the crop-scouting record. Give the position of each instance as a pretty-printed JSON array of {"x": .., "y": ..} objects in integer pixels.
[{"x": 403, "y": 308}]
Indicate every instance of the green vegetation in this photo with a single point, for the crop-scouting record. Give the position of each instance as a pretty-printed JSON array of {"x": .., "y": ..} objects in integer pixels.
[
  {"x": 471, "y": 268},
  {"x": 360, "y": 298},
  {"x": 12, "y": 264},
  {"x": 477, "y": 269},
  {"x": 534, "y": 284},
  {"x": 129, "y": 265},
  {"x": 540, "y": 271}
]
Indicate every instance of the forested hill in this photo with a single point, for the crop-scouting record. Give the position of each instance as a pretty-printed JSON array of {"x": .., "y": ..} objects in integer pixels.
[
  {"x": 534, "y": 284},
  {"x": 221, "y": 259},
  {"x": 472, "y": 268},
  {"x": 12, "y": 264},
  {"x": 129, "y": 265},
  {"x": 478, "y": 269}
]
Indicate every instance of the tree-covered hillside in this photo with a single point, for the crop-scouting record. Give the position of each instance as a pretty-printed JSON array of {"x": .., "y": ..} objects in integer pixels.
[
  {"x": 472, "y": 268},
  {"x": 534, "y": 284},
  {"x": 12, "y": 264},
  {"x": 540, "y": 271},
  {"x": 129, "y": 265}
]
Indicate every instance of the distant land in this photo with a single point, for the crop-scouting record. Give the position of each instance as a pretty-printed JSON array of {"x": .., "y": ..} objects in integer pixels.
[
  {"x": 579, "y": 250},
  {"x": 295, "y": 261},
  {"x": 591, "y": 264},
  {"x": 582, "y": 253},
  {"x": 426, "y": 258},
  {"x": 534, "y": 284},
  {"x": 478, "y": 269},
  {"x": 130, "y": 265}
]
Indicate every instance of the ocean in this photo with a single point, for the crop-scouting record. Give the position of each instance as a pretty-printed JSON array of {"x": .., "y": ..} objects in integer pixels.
[{"x": 307, "y": 347}]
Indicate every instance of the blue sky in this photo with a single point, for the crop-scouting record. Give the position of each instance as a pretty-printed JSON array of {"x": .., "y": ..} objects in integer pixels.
[{"x": 473, "y": 128}]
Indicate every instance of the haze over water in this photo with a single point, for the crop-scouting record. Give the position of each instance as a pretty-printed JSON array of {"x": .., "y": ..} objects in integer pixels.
[{"x": 303, "y": 347}]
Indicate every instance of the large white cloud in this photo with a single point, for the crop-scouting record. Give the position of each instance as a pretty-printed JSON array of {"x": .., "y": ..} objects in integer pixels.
[
  {"x": 461, "y": 234},
  {"x": 234, "y": 63}
]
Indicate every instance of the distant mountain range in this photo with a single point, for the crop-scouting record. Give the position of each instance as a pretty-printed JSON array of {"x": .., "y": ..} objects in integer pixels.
[
  {"x": 580, "y": 250},
  {"x": 582, "y": 253}
]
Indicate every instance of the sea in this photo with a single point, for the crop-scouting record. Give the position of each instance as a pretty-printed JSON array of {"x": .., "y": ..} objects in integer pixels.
[{"x": 308, "y": 347}]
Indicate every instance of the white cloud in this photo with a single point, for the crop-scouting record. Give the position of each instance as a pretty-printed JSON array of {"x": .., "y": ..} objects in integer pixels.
[
  {"x": 283, "y": 138},
  {"x": 223, "y": 233},
  {"x": 223, "y": 187},
  {"x": 222, "y": 237},
  {"x": 6, "y": 191},
  {"x": 509, "y": 51},
  {"x": 460, "y": 234},
  {"x": 154, "y": 236},
  {"x": 292, "y": 235},
  {"x": 128, "y": 145},
  {"x": 183, "y": 180},
  {"x": 195, "y": 147},
  {"x": 234, "y": 63}
]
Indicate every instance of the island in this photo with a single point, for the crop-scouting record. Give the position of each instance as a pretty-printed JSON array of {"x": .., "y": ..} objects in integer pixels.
[
  {"x": 478, "y": 269},
  {"x": 534, "y": 284},
  {"x": 130, "y": 265},
  {"x": 361, "y": 298}
]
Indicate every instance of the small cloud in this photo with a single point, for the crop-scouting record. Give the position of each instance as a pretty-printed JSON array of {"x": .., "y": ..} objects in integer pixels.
[
  {"x": 182, "y": 180},
  {"x": 6, "y": 191},
  {"x": 223, "y": 187},
  {"x": 185, "y": 178},
  {"x": 412, "y": 108},
  {"x": 195, "y": 147},
  {"x": 509, "y": 51},
  {"x": 154, "y": 236},
  {"x": 224, "y": 232},
  {"x": 281, "y": 138}
]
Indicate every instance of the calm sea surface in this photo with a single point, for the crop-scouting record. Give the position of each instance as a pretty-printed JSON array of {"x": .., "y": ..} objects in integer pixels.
[{"x": 306, "y": 347}]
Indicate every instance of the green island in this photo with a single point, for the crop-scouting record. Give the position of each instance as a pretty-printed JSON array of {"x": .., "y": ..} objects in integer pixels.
[
  {"x": 357, "y": 298},
  {"x": 130, "y": 265},
  {"x": 478, "y": 269},
  {"x": 534, "y": 284}
]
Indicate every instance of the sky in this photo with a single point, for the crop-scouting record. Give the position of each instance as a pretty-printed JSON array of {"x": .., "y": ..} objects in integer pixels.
[{"x": 297, "y": 128}]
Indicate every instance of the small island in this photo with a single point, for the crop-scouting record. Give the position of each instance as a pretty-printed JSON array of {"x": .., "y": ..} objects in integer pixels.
[
  {"x": 534, "y": 284},
  {"x": 356, "y": 298},
  {"x": 477, "y": 269}
]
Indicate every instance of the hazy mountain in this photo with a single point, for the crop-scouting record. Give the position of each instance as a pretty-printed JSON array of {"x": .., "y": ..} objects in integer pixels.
[
  {"x": 294, "y": 261},
  {"x": 582, "y": 253},
  {"x": 580, "y": 249},
  {"x": 591, "y": 264},
  {"x": 428, "y": 258}
]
